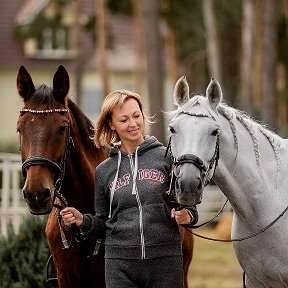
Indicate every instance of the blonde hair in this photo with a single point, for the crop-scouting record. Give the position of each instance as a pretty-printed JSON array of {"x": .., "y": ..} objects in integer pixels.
[{"x": 104, "y": 135}]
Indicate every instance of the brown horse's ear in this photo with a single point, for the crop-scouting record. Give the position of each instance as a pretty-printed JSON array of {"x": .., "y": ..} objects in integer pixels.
[
  {"x": 25, "y": 84},
  {"x": 181, "y": 91},
  {"x": 61, "y": 84}
]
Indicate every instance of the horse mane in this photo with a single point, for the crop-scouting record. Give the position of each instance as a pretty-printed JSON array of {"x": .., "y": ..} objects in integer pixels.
[
  {"x": 85, "y": 126},
  {"x": 44, "y": 95},
  {"x": 231, "y": 114},
  {"x": 253, "y": 127}
]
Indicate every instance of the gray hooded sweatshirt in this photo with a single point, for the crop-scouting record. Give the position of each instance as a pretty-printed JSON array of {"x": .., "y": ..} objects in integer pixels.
[{"x": 132, "y": 211}]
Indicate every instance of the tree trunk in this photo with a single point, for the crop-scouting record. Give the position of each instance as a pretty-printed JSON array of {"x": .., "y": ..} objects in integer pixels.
[
  {"x": 154, "y": 54},
  {"x": 140, "y": 49},
  {"x": 258, "y": 55},
  {"x": 213, "y": 51},
  {"x": 173, "y": 61},
  {"x": 246, "y": 56},
  {"x": 79, "y": 64},
  {"x": 102, "y": 51},
  {"x": 229, "y": 53},
  {"x": 269, "y": 100}
]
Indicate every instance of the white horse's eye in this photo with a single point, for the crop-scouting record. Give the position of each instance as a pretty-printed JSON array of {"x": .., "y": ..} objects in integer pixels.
[
  {"x": 215, "y": 132},
  {"x": 172, "y": 130}
]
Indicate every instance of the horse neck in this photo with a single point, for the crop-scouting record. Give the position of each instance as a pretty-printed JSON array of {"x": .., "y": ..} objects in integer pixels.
[
  {"x": 246, "y": 174},
  {"x": 78, "y": 185}
]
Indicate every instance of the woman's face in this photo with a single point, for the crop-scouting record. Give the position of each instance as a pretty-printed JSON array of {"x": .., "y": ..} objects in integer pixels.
[{"x": 128, "y": 122}]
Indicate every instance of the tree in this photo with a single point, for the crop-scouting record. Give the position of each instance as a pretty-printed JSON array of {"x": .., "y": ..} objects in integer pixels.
[
  {"x": 172, "y": 49},
  {"x": 140, "y": 48},
  {"x": 269, "y": 94},
  {"x": 80, "y": 62},
  {"x": 154, "y": 54},
  {"x": 228, "y": 24},
  {"x": 246, "y": 59},
  {"x": 213, "y": 49},
  {"x": 102, "y": 45}
]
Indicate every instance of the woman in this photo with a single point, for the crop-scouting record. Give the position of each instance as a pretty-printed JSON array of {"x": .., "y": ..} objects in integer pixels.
[{"x": 142, "y": 240}]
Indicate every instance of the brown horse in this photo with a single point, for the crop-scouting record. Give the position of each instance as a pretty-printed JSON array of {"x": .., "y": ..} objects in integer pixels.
[{"x": 59, "y": 160}]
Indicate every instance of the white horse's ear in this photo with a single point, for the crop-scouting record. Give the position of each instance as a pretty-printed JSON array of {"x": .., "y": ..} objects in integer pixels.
[
  {"x": 181, "y": 91},
  {"x": 214, "y": 93}
]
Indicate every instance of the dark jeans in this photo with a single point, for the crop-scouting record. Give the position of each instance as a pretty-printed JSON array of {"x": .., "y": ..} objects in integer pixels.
[{"x": 164, "y": 272}]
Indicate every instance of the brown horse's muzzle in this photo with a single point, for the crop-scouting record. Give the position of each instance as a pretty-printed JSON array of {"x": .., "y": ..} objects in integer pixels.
[{"x": 38, "y": 190}]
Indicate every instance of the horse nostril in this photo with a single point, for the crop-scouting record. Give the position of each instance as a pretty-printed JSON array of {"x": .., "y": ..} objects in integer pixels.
[
  {"x": 24, "y": 193},
  {"x": 199, "y": 187},
  {"x": 46, "y": 193}
]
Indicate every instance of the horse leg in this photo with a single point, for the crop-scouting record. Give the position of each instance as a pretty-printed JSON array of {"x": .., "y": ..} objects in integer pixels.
[{"x": 187, "y": 249}]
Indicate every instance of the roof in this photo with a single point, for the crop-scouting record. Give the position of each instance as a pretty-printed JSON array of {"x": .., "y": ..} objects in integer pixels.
[
  {"x": 121, "y": 56},
  {"x": 29, "y": 10}
]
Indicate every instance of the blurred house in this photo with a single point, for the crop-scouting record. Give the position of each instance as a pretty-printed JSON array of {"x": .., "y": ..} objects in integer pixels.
[{"x": 41, "y": 35}]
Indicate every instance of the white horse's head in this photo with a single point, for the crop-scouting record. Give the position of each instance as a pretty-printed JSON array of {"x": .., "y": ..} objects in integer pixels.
[{"x": 194, "y": 140}]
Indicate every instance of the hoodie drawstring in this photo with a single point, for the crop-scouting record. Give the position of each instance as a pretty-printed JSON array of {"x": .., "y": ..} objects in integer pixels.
[
  {"x": 135, "y": 170},
  {"x": 114, "y": 183}
]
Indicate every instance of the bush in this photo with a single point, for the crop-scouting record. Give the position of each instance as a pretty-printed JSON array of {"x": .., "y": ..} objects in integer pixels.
[{"x": 23, "y": 256}]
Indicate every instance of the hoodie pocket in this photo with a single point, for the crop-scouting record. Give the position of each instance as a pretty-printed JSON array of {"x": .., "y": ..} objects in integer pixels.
[
  {"x": 159, "y": 227},
  {"x": 126, "y": 229}
]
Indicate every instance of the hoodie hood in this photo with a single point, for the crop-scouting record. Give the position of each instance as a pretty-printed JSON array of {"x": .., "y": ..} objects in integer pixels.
[{"x": 150, "y": 142}]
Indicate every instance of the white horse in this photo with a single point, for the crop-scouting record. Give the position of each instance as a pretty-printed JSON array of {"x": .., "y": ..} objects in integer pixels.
[{"x": 251, "y": 172}]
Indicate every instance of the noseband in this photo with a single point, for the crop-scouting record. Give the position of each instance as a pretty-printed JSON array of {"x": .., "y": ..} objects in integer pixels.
[{"x": 43, "y": 161}]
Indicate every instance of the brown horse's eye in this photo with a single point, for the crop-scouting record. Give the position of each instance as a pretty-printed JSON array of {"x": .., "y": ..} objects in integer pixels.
[
  {"x": 18, "y": 128},
  {"x": 63, "y": 128}
]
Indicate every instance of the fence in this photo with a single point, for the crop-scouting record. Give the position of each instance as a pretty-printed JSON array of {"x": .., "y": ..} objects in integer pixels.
[{"x": 13, "y": 208}]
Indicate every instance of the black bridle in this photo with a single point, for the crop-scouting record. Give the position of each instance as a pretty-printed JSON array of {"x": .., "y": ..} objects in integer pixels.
[
  {"x": 204, "y": 172},
  {"x": 193, "y": 159},
  {"x": 196, "y": 161},
  {"x": 60, "y": 168}
]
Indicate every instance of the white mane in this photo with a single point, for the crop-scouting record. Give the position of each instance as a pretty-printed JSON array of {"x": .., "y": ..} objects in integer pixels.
[{"x": 232, "y": 115}]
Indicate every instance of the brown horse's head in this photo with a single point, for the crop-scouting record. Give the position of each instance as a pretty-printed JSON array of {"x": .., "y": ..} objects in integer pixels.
[{"x": 44, "y": 131}]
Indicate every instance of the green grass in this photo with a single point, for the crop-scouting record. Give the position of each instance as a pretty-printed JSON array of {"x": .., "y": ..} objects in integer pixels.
[{"x": 214, "y": 265}]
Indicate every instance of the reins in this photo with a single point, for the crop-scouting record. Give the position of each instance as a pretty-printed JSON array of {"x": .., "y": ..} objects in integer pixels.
[{"x": 241, "y": 238}]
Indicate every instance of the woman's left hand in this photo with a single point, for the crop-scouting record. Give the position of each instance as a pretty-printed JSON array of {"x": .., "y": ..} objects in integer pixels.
[{"x": 182, "y": 216}]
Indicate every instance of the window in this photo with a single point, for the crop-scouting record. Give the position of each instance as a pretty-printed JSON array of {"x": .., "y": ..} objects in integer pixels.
[{"x": 55, "y": 43}]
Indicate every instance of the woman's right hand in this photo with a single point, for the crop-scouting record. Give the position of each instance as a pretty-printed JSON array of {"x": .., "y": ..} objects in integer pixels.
[{"x": 71, "y": 215}]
